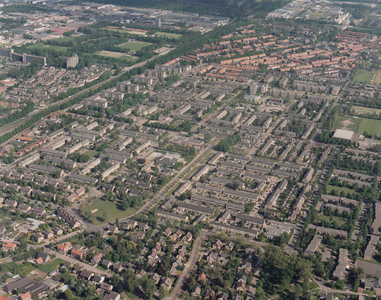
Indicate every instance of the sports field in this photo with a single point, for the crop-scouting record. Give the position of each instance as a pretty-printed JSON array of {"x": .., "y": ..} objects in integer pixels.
[
  {"x": 125, "y": 31},
  {"x": 347, "y": 123},
  {"x": 377, "y": 78},
  {"x": 363, "y": 76},
  {"x": 134, "y": 46},
  {"x": 358, "y": 125},
  {"x": 116, "y": 55},
  {"x": 45, "y": 46},
  {"x": 167, "y": 34},
  {"x": 365, "y": 110}
]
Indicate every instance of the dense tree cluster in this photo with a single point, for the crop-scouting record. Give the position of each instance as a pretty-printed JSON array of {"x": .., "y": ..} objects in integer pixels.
[{"x": 227, "y": 143}]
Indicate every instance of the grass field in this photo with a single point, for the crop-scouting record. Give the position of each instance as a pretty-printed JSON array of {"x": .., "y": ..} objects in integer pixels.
[
  {"x": 114, "y": 208},
  {"x": 170, "y": 35},
  {"x": 339, "y": 189},
  {"x": 364, "y": 110},
  {"x": 134, "y": 46},
  {"x": 358, "y": 125},
  {"x": 363, "y": 76},
  {"x": 370, "y": 126},
  {"x": 25, "y": 269},
  {"x": 44, "y": 46},
  {"x": 377, "y": 78},
  {"x": 338, "y": 220},
  {"x": 51, "y": 266},
  {"x": 91, "y": 153},
  {"x": 125, "y": 31},
  {"x": 346, "y": 122},
  {"x": 116, "y": 55}
]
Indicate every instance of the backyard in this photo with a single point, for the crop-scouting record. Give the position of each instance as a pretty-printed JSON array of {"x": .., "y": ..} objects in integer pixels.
[{"x": 50, "y": 266}]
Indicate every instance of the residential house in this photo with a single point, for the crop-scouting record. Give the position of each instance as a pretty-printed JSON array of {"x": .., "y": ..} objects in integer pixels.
[
  {"x": 78, "y": 254},
  {"x": 45, "y": 257},
  {"x": 155, "y": 277},
  {"x": 196, "y": 292},
  {"x": 112, "y": 229},
  {"x": 112, "y": 296},
  {"x": 86, "y": 274},
  {"x": 96, "y": 259},
  {"x": 106, "y": 287},
  {"x": 106, "y": 263},
  {"x": 57, "y": 231},
  {"x": 64, "y": 248},
  {"x": 38, "y": 237},
  {"x": 210, "y": 295},
  {"x": 48, "y": 234},
  {"x": 8, "y": 247},
  {"x": 166, "y": 283}
]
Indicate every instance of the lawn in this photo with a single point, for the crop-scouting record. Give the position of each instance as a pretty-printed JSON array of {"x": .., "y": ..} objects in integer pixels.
[
  {"x": 119, "y": 55},
  {"x": 377, "y": 78},
  {"x": 363, "y": 76},
  {"x": 114, "y": 208},
  {"x": 91, "y": 153},
  {"x": 339, "y": 221},
  {"x": 45, "y": 46},
  {"x": 170, "y": 35},
  {"x": 134, "y": 46},
  {"x": 51, "y": 266},
  {"x": 339, "y": 189},
  {"x": 365, "y": 110}
]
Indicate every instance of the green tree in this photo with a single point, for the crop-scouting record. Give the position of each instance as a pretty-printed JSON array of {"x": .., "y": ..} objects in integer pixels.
[
  {"x": 148, "y": 286},
  {"x": 106, "y": 215},
  {"x": 161, "y": 293}
]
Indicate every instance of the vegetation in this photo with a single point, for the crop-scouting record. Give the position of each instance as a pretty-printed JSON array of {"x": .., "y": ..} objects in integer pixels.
[{"x": 226, "y": 144}]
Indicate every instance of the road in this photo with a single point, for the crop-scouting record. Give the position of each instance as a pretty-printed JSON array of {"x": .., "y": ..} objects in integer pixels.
[
  {"x": 148, "y": 205},
  {"x": 77, "y": 262},
  {"x": 20, "y": 122},
  {"x": 61, "y": 238},
  {"x": 188, "y": 268}
]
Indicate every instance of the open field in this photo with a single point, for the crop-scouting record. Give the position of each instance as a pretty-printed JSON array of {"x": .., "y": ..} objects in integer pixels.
[
  {"x": 134, "y": 46},
  {"x": 377, "y": 78},
  {"x": 363, "y": 76},
  {"x": 114, "y": 208},
  {"x": 25, "y": 269},
  {"x": 170, "y": 35},
  {"x": 370, "y": 126},
  {"x": 365, "y": 110},
  {"x": 44, "y": 46},
  {"x": 358, "y": 125},
  {"x": 347, "y": 123},
  {"x": 339, "y": 189},
  {"x": 338, "y": 220},
  {"x": 91, "y": 153},
  {"x": 116, "y": 55},
  {"x": 125, "y": 31},
  {"x": 51, "y": 266}
]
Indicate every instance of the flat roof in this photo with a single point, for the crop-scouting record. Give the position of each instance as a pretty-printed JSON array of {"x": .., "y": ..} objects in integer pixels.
[{"x": 343, "y": 134}]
